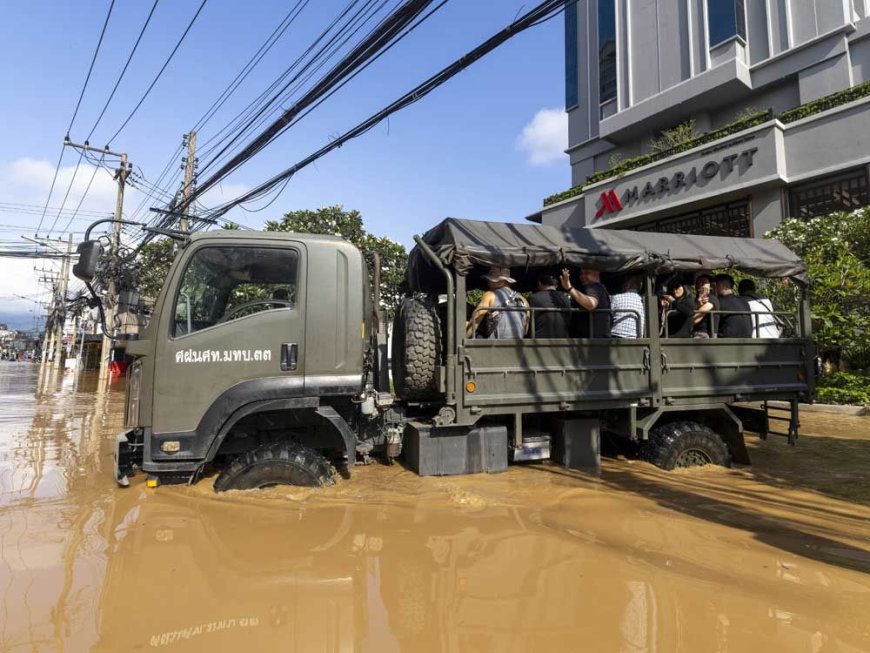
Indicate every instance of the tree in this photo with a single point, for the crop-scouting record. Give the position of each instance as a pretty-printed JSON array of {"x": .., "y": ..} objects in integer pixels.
[
  {"x": 836, "y": 248},
  {"x": 334, "y": 220},
  {"x": 154, "y": 260}
]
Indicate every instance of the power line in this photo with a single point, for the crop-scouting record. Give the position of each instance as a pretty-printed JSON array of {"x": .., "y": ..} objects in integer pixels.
[
  {"x": 233, "y": 124},
  {"x": 91, "y": 67},
  {"x": 82, "y": 199},
  {"x": 66, "y": 195},
  {"x": 263, "y": 50},
  {"x": 124, "y": 70},
  {"x": 160, "y": 72},
  {"x": 75, "y": 113},
  {"x": 536, "y": 16},
  {"x": 258, "y": 111},
  {"x": 379, "y": 39}
]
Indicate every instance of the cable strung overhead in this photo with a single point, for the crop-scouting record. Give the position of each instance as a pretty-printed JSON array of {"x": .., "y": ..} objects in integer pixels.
[
  {"x": 544, "y": 11},
  {"x": 76, "y": 113},
  {"x": 379, "y": 39}
]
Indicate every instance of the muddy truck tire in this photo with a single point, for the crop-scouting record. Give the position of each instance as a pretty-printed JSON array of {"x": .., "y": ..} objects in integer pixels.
[
  {"x": 278, "y": 463},
  {"x": 417, "y": 349},
  {"x": 685, "y": 444}
]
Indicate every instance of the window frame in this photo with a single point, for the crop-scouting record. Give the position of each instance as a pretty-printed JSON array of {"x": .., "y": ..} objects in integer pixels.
[
  {"x": 216, "y": 245},
  {"x": 738, "y": 11}
]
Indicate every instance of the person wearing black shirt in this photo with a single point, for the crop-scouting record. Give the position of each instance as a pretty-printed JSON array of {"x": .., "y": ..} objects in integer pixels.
[
  {"x": 592, "y": 296},
  {"x": 550, "y": 324},
  {"x": 705, "y": 319},
  {"x": 679, "y": 305},
  {"x": 732, "y": 326}
]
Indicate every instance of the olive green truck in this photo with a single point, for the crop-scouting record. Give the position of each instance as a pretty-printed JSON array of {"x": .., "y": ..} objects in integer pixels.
[{"x": 266, "y": 359}]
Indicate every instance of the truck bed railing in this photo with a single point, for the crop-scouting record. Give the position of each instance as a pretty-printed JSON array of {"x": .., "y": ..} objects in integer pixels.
[
  {"x": 638, "y": 318},
  {"x": 788, "y": 324}
]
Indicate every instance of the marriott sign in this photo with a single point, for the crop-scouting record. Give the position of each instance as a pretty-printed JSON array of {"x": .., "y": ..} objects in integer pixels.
[{"x": 613, "y": 201}]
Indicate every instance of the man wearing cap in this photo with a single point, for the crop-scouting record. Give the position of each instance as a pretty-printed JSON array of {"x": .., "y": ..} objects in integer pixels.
[
  {"x": 593, "y": 296},
  {"x": 501, "y": 324}
]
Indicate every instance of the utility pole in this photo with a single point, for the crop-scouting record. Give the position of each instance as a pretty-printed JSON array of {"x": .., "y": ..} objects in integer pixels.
[
  {"x": 112, "y": 287},
  {"x": 62, "y": 286},
  {"x": 189, "y": 172}
]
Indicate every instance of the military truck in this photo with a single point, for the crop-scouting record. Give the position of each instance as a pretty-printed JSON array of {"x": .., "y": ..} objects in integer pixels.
[{"x": 266, "y": 359}]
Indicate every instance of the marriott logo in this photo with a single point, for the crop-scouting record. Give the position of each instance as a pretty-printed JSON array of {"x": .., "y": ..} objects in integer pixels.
[{"x": 610, "y": 203}]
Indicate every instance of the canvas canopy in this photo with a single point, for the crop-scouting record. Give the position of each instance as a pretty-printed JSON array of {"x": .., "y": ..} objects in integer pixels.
[{"x": 465, "y": 245}]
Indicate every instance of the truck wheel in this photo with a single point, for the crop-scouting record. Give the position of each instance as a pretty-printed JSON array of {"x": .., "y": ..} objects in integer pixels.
[
  {"x": 416, "y": 349},
  {"x": 278, "y": 463},
  {"x": 685, "y": 444}
]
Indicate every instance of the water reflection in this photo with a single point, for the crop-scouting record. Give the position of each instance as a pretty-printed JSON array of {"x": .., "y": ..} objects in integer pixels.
[{"x": 526, "y": 560}]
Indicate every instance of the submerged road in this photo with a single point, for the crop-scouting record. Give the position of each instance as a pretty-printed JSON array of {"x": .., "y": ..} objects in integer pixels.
[{"x": 773, "y": 557}]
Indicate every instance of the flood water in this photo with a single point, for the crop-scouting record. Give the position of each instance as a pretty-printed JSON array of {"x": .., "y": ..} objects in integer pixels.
[{"x": 773, "y": 557}]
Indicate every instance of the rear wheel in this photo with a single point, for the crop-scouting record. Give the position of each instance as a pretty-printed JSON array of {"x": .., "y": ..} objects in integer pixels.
[
  {"x": 685, "y": 444},
  {"x": 278, "y": 463}
]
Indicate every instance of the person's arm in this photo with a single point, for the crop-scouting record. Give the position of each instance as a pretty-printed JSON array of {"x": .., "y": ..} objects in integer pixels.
[
  {"x": 526, "y": 315},
  {"x": 479, "y": 312},
  {"x": 684, "y": 305},
  {"x": 705, "y": 307},
  {"x": 586, "y": 301}
]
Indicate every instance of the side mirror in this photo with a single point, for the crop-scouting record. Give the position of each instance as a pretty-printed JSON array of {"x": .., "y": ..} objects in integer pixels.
[{"x": 89, "y": 256}]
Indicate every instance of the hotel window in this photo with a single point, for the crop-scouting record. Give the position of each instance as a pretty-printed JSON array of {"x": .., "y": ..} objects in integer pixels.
[
  {"x": 606, "y": 50},
  {"x": 733, "y": 219},
  {"x": 843, "y": 192},
  {"x": 572, "y": 95},
  {"x": 725, "y": 19}
]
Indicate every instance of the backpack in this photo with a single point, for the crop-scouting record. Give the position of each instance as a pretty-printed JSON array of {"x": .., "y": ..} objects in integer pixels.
[{"x": 506, "y": 324}]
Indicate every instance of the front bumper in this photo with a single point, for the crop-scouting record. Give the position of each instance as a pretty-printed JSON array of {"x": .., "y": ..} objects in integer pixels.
[{"x": 128, "y": 455}]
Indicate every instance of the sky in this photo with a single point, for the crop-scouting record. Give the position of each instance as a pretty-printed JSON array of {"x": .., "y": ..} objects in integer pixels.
[{"x": 486, "y": 145}]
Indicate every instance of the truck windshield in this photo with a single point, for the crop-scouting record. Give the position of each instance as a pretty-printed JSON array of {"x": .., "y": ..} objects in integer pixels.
[{"x": 221, "y": 284}]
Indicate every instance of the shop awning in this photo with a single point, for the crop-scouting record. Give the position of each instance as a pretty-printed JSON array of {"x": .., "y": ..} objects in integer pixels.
[{"x": 465, "y": 244}]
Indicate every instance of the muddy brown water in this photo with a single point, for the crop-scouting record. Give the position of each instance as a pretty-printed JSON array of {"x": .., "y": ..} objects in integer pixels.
[{"x": 773, "y": 557}]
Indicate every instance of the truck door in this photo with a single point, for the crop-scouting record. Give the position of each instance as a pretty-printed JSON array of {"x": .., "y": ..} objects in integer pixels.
[{"x": 232, "y": 331}]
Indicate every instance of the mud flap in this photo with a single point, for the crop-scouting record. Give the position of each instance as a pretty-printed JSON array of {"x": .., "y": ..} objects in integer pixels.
[
  {"x": 730, "y": 429},
  {"x": 128, "y": 458},
  {"x": 331, "y": 415}
]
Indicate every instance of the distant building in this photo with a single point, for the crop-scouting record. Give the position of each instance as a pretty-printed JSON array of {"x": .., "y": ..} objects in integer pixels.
[{"x": 637, "y": 67}]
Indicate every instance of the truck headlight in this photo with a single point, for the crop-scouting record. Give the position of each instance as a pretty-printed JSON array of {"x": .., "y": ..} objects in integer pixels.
[{"x": 134, "y": 381}]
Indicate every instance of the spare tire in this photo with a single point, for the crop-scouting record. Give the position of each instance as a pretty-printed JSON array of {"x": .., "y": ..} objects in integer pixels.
[{"x": 417, "y": 349}]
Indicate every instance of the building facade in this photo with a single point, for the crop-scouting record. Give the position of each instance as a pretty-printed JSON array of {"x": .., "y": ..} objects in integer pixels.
[{"x": 714, "y": 116}]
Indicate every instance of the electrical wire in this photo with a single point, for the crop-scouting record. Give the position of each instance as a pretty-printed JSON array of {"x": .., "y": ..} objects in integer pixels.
[
  {"x": 264, "y": 106},
  {"x": 91, "y": 67},
  {"x": 253, "y": 106},
  {"x": 75, "y": 113},
  {"x": 124, "y": 69},
  {"x": 97, "y": 168},
  {"x": 68, "y": 190},
  {"x": 160, "y": 72},
  {"x": 263, "y": 50},
  {"x": 256, "y": 104},
  {"x": 532, "y": 18},
  {"x": 365, "y": 50}
]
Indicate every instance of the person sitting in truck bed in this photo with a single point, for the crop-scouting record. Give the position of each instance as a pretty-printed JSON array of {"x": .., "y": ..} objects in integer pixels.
[
  {"x": 705, "y": 320},
  {"x": 500, "y": 324},
  {"x": 763, "y": 321},
  {"x": 732, "y": 325},
  {"x": 629, "y": 315},
  {"x": 593, "y": 297},
  {"x": 550, "y": 323},
  {"x": 679, "y": 305}
]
